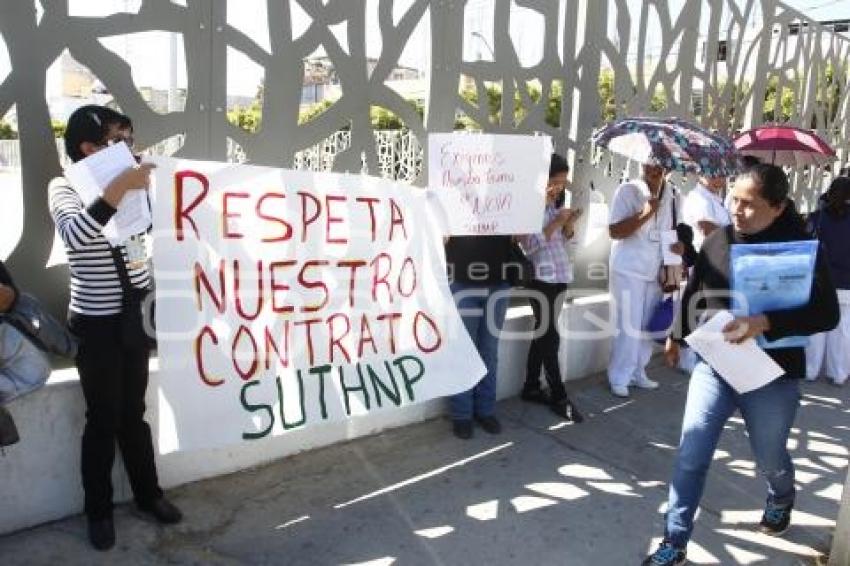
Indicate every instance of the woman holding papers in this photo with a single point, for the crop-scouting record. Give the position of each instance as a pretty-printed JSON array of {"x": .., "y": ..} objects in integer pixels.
[
  {"x": 761, "y": 213},
  {"x": 830, "y": 351},
  {"x": 642, "y": 212},
  {"x": 552, "y": 273},
  {"x": 105, "y": 315}
]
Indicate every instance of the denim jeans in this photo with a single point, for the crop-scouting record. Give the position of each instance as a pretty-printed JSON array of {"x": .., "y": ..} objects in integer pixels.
[
  {"x": 768, "y": 413},
  {"x": 476, "y": 304}
]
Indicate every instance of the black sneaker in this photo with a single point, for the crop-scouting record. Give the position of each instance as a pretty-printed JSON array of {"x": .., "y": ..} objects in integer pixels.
[
  {"x": 102, "y": 533},
  {"x": 776, "y": 519},
  {"x": 666, "y": 555},
  {"x": 490, "y": 424},
  {"x": 165, "y": 512},
  {"x": 534, "y": 395},
  {"x": 566, "y": 410},
  {"x": 462, "y": 428}
]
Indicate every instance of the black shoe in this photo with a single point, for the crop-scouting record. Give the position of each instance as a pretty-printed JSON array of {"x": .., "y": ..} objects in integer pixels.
[
  {"x": 534, "y": 395},
  {"x": 666, "y": 555},
  {"x": 462, "y": 428},
  {"x": 775, "y": 520},
  {"x": 566, "y": 410},
  {"x": 490, "y": 424},
  {"x": 165, "y": 512},
  {"x": 8, "y": 430},
  {"x": 102, "y": 533}
]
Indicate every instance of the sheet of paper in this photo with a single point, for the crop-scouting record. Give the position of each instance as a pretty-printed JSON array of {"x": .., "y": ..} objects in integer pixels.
[
  {"x": 90, "y": 176},
  {"x": 668, "y": 238},
  {"x": 745, "y": 367}
]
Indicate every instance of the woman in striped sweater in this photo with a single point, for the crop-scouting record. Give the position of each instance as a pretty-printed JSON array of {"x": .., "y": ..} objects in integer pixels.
[{"x": 105, "y": 314}]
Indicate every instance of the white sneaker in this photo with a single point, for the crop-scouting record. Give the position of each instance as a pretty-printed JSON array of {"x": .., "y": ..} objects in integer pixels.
[
  {"x": 619, "y": 391},
  {"x": 644, "y": 383}
]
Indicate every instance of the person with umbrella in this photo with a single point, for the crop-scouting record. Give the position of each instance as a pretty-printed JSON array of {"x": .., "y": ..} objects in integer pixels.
[{"x": 642, "y": 212}]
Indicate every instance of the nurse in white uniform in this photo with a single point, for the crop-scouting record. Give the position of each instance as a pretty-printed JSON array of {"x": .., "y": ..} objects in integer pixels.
[
  {"x": 704, "y": 212},
  {"x": 640, "y": 211}
]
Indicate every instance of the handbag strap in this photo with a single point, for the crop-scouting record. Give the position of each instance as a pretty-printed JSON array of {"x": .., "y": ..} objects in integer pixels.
[
  {"x": 127, "y": 290},
  {"x": 673, "y": 207}
]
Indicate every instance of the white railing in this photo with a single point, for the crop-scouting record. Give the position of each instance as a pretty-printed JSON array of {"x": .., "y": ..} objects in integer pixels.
[{"x": 399, "y": 153}]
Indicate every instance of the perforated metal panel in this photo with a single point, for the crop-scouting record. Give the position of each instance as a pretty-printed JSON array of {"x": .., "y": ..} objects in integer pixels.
[{"x": 712, "y": 60}]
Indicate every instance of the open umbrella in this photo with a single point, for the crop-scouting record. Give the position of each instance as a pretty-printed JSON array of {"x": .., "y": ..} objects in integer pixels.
[
  {"x": 671, "y": 143},
  {"x": 785, "y": 145}
]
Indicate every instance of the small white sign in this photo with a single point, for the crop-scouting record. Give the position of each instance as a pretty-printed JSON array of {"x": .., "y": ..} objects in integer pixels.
[{"x": 488, "y": 184}]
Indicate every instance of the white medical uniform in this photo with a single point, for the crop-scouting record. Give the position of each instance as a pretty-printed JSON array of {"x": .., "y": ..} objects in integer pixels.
[
  {"x": 702, "y": 205},
  {"x": 633, "y": 280}
]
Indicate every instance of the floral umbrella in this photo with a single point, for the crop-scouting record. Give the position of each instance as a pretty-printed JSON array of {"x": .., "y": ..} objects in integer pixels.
[
  {"x": 785, "y": 145},
  {"x": 670, "y": 143}
]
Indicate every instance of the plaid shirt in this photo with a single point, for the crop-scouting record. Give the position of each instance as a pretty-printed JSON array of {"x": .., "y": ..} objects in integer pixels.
[{"x": 551, "y": 257}]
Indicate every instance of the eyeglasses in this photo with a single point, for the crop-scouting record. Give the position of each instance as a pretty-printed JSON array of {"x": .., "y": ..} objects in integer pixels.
[{"x": 121, "y": 139}]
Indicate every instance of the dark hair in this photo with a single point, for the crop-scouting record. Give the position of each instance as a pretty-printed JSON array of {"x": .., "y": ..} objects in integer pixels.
[
  {"x": 90, "y": 123},
  {"x": 558, "y": 164},
  {"x": 748, "y": 161},
  {"x": 772, "y": 181},
  {"x": 837, "y": 196}
]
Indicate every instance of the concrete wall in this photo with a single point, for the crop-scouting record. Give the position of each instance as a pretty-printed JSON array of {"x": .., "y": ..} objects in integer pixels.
[{"x": 40, "y": 475}]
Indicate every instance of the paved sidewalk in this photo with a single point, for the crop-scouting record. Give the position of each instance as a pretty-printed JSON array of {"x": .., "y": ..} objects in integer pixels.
[{"x": 544, "y": 492}]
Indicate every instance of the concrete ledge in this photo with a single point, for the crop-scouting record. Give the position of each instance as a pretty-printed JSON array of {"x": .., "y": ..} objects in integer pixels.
[{"x": 40, "y": 475}]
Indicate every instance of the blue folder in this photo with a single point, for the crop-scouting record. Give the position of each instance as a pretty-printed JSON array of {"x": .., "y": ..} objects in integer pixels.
[{"x": 772, "y": 277}]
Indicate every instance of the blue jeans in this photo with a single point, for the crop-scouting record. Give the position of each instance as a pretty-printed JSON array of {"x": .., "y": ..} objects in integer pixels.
[
  {"x": 768, "y": 413},
  {"x": 473, "y": 304}
]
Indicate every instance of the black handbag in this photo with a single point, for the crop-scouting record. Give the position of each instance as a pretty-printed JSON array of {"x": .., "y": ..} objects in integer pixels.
[
  {"x": 44, "y": 331},
  {"x": 138, "y": 306}
]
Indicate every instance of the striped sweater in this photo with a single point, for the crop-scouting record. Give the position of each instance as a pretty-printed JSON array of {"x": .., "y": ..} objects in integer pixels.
[{"x": 95, "y": 286}]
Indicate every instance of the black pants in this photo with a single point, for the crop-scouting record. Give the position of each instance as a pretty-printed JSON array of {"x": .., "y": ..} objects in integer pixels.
[
  {"x": 113, "y": 367},
  {"x": 544, "y": 348}
]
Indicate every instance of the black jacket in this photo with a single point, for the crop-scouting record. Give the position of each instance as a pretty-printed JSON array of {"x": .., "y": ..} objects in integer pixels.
[
  {"x": 711, "y": 277},
  {"x": 478, "y": 260}
]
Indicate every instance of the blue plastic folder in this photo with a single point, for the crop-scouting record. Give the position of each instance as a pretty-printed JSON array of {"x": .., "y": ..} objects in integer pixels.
[{"x": 771, "y": 277}]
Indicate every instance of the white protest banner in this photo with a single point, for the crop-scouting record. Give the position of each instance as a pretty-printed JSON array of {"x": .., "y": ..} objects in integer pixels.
[
  {"x": 487, "y": 184},
  {"x": 288, "y": 298}
]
